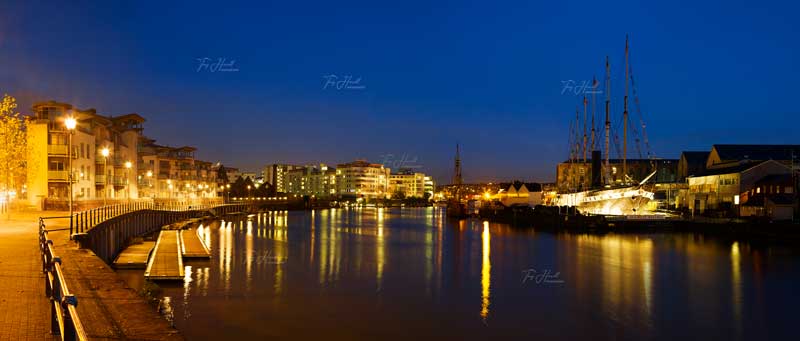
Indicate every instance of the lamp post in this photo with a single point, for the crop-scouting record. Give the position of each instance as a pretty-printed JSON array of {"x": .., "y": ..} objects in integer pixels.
[
  {"x": 105, "y": 153},
  {"x": 128, "y": 166},
  {"x": 70, "y": 123},
  {"x": 228, "y": 187},
  {"x": 249, "y": 197},
  {"x": 150, "y": 183}
]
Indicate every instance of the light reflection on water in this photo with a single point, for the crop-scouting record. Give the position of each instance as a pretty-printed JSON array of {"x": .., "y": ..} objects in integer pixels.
[{"x": 381, "y": 273}]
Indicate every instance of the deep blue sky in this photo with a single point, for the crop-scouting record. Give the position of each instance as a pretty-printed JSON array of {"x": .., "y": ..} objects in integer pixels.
[{"x": 485, "y": 74}]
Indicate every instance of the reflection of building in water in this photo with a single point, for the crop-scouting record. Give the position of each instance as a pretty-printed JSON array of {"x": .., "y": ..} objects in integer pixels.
[
  {"x": 486, "y": 271},
  {"x": 248, "y": 248},
  {"x": 736, "y": 285},
  {"x": 380, "y": 249},
  {"x": 225, "y": 253}
]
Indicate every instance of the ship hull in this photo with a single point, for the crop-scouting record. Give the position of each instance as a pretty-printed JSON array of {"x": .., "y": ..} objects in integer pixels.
[{"x": 617, "y": 201}]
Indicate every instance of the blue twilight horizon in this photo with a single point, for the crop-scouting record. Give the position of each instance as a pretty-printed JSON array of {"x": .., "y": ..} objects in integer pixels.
[{"x": 302, "y": 82}]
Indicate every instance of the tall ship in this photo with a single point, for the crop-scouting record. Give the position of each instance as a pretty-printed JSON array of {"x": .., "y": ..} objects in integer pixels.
[{"x": 609, "y": 190}]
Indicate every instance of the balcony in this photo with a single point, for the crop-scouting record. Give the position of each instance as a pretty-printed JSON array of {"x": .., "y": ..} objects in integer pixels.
[
  {"x": 57, "y": 149},
  {"x": 99, "y": 179},
  {"x": 57, "y": 175},
  {"x": 119, "y": 181}
]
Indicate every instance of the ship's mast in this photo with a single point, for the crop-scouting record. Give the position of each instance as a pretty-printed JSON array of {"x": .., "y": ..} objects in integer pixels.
[
  {"x": 457, "y": 180},
  {"x": 608, "y": 118},
  {"x": 577, "y": 145},
  {"x": 625, "y": 119},
  {"x": 585, "y": 137},
  {"x": 594, "y": 107},
  {"x": 457, "y": 176}
]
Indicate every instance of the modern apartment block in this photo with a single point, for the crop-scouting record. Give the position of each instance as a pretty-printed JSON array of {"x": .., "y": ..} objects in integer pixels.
[
  {"x": 173, "y": 172},
  {"x": 313, "y": 180},
  {"x": 357, "y": 179},
  {"x": 362, "y": 179},
  {"x": 410, "y": 184},
  {"x": 103, "y": 156},
  {"x": 275, "y": 175}
]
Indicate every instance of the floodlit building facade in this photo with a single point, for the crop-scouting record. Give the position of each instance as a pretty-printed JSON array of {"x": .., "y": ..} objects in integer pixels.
[
  {"x": 410, "y": 184},
  {"x": 173, "y": 172},
  {"x": 520, "y": 193},
  {"x": 312, "y": 180},
  {"x": 275, "y": 175},
  {"x": 720, "y": 188},
  {"x": 94, "y": 176},
  {"x": 362, "y": 179}
]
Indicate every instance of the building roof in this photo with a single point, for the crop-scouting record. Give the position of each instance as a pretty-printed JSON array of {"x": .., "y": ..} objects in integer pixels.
[
  {"x": 531, "y": 186},
  {"x": 735, "y": 168},
  {"x": 756, "y": 151},
  {"x": 129, "y": 117},
  {"x": 359, "y": 163},
  {"x": 693, "y": 157}
]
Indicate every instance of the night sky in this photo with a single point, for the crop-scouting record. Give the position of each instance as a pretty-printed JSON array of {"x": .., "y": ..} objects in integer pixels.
[{"x": 488, "y": 75}]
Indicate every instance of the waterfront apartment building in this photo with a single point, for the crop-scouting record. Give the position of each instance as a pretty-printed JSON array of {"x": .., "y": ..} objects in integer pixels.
[
  {"x": 94, "y": 175},
  {"x": 275, "y": 175},
  {"x": 362, "y": 179},
  {"x": 312, "y": 180},
  {"x": 406, "y": 183},
  {"x": 173, "y": 172}
]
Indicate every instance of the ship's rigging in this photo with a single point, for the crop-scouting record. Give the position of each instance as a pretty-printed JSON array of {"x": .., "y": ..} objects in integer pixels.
[{"x": 615, "y": 193}]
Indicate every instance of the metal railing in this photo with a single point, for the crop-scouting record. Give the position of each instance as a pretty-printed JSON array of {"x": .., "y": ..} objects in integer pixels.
[
  {"x": 85, "y": 220},
  {"x": 64, "y": 319},
  {"x": 57, "y": 149},
  {"x": 108, "y": 238},
  {"x": 57, "y": 175}
]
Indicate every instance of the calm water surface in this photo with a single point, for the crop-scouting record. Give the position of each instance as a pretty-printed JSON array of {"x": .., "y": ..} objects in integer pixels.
[{"x": 413, "y": 273}]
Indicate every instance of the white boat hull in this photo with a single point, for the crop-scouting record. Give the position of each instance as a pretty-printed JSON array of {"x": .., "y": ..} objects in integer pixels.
[{"x": 617, "y": 201}]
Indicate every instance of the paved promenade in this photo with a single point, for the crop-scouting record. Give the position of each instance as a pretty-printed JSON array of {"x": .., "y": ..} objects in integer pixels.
[
  {"x": 24, "y": 313},
  {"x": 108, "y": 308}
]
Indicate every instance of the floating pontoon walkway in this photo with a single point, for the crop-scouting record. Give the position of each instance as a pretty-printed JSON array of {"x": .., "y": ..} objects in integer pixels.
[
  {"x": 134, "y": 256},
  {"x": 166, "y": 262},
  {"x": 192, "y": 246}
]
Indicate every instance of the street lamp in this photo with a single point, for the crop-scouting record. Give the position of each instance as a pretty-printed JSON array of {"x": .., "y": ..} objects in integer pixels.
[
  {"x": 150, "y": 182},
  {"x": 248, "y": 192},
  {"x": 105, "y": 153},
  {"x": 128, "y": 166},
  {"x": 70, "y": 123}
]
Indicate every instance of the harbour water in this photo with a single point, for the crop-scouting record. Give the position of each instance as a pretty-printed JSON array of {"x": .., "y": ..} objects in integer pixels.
[{"x": 374, "y": 273}]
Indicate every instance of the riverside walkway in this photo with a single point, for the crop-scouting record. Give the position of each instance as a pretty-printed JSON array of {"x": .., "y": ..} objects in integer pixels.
[{"x": 108, "y": 308}]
